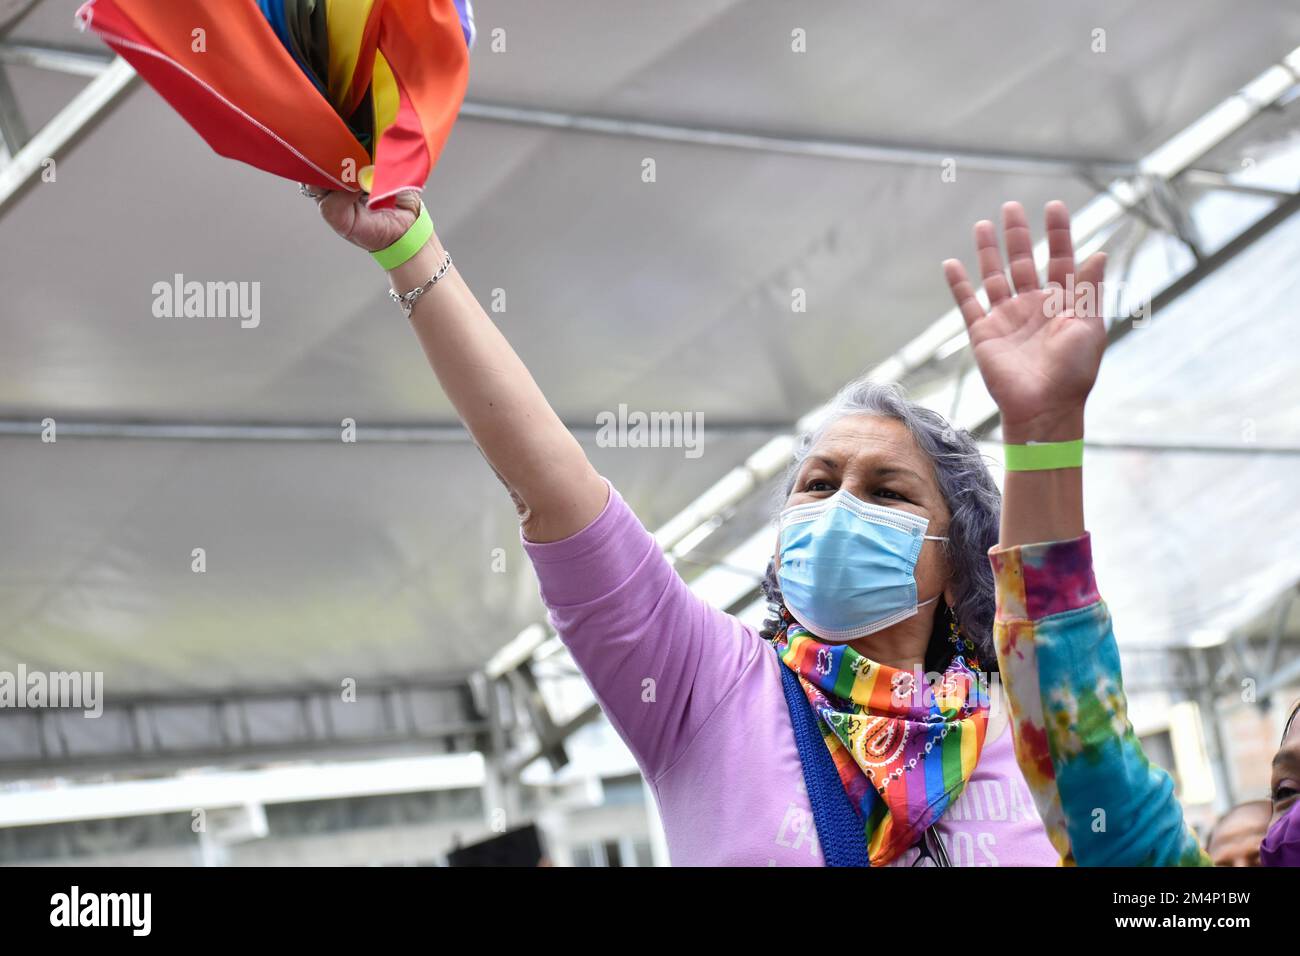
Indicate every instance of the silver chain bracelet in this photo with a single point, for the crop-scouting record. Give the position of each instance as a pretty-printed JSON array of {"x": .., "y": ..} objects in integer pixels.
[{"x": 407, "y": 300}]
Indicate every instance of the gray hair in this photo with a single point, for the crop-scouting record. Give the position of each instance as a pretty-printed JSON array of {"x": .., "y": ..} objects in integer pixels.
[{"x": 973, "y": 500}]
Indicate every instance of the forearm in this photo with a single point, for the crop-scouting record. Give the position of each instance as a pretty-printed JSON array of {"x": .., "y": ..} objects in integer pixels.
[
  {"x": 1103, "y": 802},
  {"x": 500, "y": 404},
  {"x": 1042, "y": 505}
]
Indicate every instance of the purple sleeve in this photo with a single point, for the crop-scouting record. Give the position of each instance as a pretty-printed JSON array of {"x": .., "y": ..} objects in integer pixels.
[{"x": 658, "y": 658}]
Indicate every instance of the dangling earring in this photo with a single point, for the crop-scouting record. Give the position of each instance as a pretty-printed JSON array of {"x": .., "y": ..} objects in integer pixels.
[
  {"x": 782, "y": 619},
  {"x": 961, "y": 644}
]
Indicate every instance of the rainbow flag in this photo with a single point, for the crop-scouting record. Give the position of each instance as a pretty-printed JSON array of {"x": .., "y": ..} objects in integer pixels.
[{"x": 339, "y": 94}]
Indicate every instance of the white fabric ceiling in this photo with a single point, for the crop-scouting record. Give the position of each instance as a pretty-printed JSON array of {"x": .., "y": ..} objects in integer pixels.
[{"x": 376, "y": 558}]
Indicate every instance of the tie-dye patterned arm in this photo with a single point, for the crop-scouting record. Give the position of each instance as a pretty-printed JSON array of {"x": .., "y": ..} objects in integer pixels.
[{"x": 1103, "y": 802}]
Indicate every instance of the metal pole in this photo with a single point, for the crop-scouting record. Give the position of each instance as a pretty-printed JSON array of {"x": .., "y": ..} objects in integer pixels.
[
  {"x": 1216, "y": 748},
  {"x": 68, "y": 126},
  {"x": 862, "y": 152}
]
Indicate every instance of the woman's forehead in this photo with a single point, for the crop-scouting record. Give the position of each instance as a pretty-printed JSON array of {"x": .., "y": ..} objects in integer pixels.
[{"x": 871, "y": 439}]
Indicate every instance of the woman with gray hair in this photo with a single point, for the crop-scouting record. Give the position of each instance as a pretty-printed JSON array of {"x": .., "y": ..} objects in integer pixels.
[{"x": 861, "y": 725}]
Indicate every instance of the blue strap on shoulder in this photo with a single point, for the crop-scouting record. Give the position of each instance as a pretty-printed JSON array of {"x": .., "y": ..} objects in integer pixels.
[{"x": 840, "y": 830}]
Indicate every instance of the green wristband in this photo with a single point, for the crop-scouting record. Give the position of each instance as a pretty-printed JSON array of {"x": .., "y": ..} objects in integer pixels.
[
  {"x": 410, "y": 243},
  {"x": 1045, "y": 455}
]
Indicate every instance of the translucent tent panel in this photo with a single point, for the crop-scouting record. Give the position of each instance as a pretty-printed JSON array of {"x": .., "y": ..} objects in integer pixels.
[
  {"x": 1201, "y": 538},
  {"x": 897, "y": 73},
  {"x": 322, "y": 560},
  {"x": 705, "y": 258}
]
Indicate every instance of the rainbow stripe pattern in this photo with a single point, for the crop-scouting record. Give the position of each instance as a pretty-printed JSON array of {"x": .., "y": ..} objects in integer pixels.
[
  {"x": 904, "y": 749},
  {"x": 339, "y": 94}
]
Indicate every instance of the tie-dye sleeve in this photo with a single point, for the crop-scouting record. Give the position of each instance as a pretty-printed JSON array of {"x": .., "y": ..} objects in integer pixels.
[{"x": 1103, "y": 802}]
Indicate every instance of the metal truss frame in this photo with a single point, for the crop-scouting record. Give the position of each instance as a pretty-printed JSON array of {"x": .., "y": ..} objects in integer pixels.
[
  {"x": 157, "y": 733},
  {"x": 486, "y": 707}
]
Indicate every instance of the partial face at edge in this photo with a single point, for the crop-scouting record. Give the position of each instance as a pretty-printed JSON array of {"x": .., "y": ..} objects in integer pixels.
[
  {"x": 1284, "y": 788},
  {"x": 1235, "y": 841}
]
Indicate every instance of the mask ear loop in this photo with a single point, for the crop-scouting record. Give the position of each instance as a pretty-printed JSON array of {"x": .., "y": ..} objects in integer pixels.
[{"x": 931, "y": 537}]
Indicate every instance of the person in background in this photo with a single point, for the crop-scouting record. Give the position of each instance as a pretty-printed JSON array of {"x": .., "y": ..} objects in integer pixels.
[
  {"x": 1281, "y": 844},
  {"x": 1236, "y": 836}
]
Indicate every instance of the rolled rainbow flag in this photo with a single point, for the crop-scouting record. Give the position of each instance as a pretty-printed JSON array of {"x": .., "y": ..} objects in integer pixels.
[{"x": 340, "y": 94}]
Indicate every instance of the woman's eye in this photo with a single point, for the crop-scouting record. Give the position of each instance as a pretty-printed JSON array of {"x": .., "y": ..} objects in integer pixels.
[
  {"x": 1284, "y": 791},
  {"x": 887, "y": 493},
  {"x": 817, "y": 484}
]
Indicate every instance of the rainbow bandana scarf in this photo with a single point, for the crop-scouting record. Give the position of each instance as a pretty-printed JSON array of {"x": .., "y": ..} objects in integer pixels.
[{"x": 904, "y": 752}]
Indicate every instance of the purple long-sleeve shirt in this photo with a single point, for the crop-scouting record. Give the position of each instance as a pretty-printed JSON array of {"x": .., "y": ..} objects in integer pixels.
[{"x": 697, "y": 697}]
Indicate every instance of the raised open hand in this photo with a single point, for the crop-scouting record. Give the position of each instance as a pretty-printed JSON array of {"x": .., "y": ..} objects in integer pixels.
[{"x": 1038, "y": 348}]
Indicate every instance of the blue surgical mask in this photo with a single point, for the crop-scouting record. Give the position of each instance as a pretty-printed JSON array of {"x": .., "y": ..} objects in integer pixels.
[{"x": 847, "y": 568}]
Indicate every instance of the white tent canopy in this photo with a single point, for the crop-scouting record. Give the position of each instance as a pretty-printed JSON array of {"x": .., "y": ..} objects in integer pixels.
[{"x": 397, "y": 558}]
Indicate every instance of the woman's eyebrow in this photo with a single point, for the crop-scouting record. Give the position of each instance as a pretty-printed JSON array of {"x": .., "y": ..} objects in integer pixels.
[
  {"x": 887, "y": 470},
  {"x": 880, "y": 471},
  {"x": 1287, "y": 758}
]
